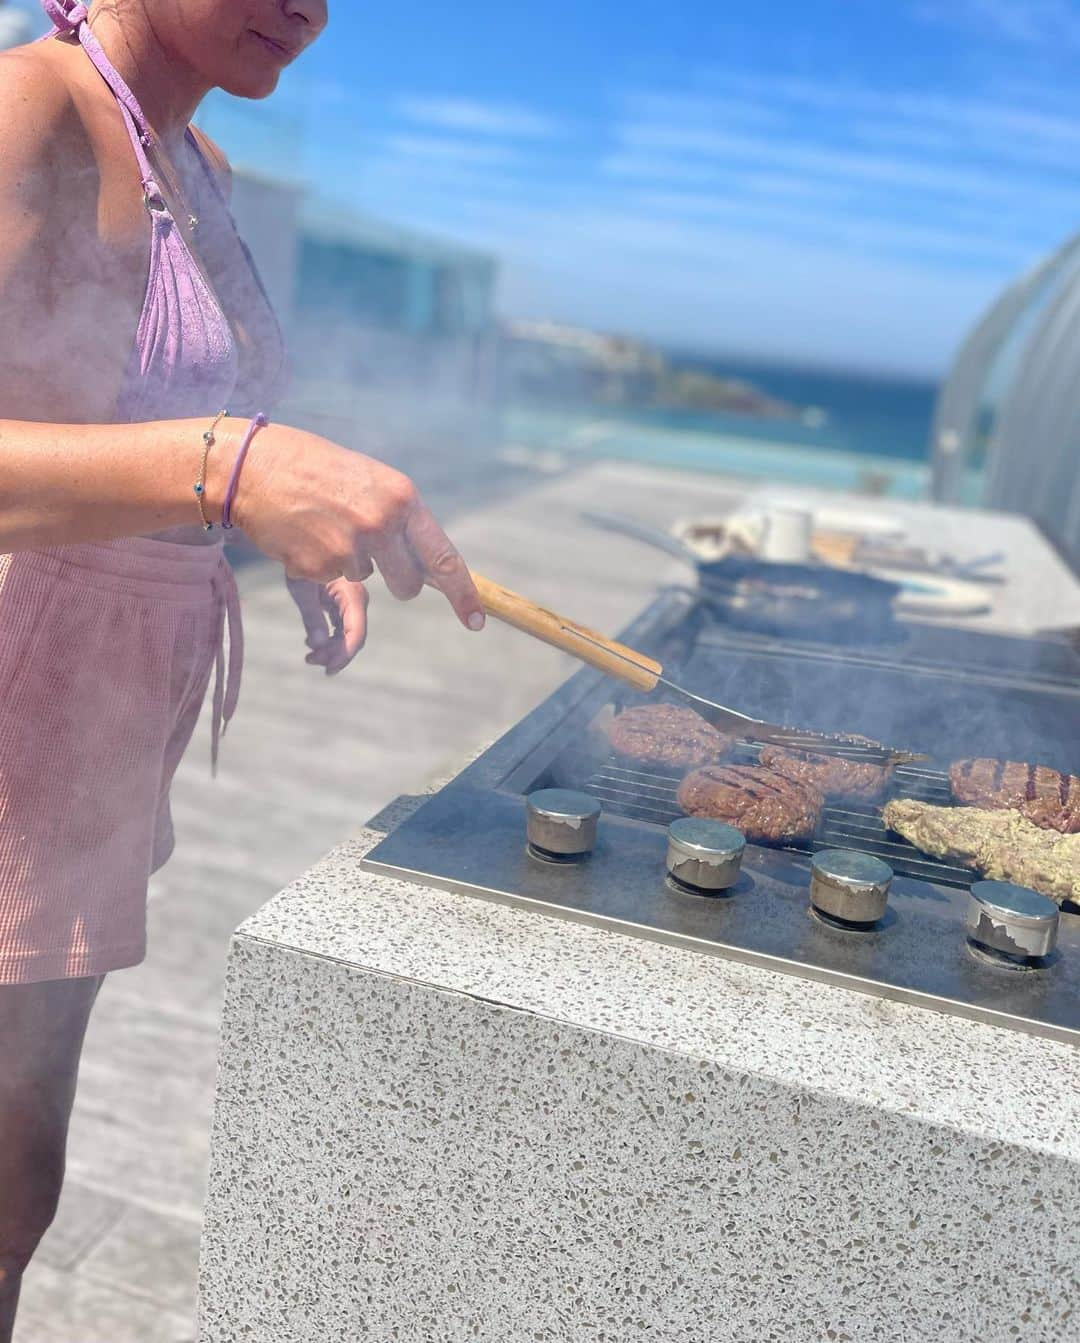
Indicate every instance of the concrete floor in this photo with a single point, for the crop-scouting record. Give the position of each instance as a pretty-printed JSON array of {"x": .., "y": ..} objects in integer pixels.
[{"x": 305, "y": 763}]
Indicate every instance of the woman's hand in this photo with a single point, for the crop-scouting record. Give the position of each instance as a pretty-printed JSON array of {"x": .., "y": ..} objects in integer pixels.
[
  {"x": 335, "y": 619},
  {"x": 326, "y": 513}
]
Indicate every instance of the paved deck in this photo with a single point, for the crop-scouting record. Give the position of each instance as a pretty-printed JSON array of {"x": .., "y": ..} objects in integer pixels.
[{"x": 305, "y": 763}]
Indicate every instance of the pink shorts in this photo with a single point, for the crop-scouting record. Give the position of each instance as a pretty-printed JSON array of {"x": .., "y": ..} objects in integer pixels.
[{"x": 106, "y": 652}]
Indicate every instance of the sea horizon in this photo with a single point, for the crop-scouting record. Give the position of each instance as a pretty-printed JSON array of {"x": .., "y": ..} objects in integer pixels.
[{"x": 850, "y": 430}]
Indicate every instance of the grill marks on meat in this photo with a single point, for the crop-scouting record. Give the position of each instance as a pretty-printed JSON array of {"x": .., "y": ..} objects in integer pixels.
[
  {"x": 1045, "y": 796},
  {"x": 832, "y": 775},
  {"x": 762, "y": 803},
  {"x": 1000, "y": 844},
  {"x": 666, "y": 735},
  {"x": 1052, "y": 814},
  {"x": 1010, "y": 783}
]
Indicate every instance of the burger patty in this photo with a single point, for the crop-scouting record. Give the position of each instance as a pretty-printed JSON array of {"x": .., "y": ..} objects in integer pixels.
[
  {"x": 832, "y": 775},
  {"x": 998, "y": 784},
  {"x": 761, "y": 803},
  {"x": 666, "y": 735}
]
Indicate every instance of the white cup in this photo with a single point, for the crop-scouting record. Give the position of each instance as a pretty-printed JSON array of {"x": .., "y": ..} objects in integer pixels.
[{"x": 787, "y": 534}]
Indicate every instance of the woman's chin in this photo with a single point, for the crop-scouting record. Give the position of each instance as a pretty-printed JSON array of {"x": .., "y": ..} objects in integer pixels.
[{"x": 253, "y": 84}]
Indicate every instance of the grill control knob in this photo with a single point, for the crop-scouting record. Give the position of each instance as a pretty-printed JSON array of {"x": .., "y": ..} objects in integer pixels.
[
  {"x": 1012, "y": 920},
  {"x": 704, "y": 855},
  {"x": 562, "y": 823},
  {"x": 850, "y": 887}
]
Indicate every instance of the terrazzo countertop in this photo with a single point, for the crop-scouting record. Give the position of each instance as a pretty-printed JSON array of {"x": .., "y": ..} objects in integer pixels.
[
  {"x": 441, "y": 1120},
  {"x": 983, "y": 1080}
]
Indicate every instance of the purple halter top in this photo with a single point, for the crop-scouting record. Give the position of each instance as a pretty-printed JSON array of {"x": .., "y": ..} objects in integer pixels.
[{"x": 186, "y": 361}]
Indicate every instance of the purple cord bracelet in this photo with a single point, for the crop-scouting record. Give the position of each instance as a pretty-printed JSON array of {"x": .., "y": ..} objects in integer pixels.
[{"x": 259, "y": 422}]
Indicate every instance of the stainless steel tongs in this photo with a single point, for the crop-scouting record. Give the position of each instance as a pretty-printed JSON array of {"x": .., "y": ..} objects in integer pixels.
[{"x": 645, "y": 674}]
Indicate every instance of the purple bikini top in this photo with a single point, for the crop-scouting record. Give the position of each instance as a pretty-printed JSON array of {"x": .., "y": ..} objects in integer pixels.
[{"x": 187, "y": 360}]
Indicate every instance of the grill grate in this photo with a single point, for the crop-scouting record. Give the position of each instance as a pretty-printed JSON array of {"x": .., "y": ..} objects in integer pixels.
[{"x": 646, "y": 795}]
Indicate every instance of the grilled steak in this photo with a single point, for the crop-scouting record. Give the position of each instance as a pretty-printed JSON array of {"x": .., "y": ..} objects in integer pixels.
[
  {"x": 1010, "y": 783},
  {"x": 832, "y": 775},
  {"x": 1052, "y": 814},
  {"x": 1000, "y": 844},
  {"x": 666, "y": 735},
  {"x": 757, "y": 801}
]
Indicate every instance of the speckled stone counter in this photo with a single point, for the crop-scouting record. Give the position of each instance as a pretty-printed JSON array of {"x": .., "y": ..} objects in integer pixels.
[{"x": 440, "y": 1119}]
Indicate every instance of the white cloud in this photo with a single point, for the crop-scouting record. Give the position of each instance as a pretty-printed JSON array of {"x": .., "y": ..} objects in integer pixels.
[
  {"x": 1030, "y": 22},
  {"x": 446, "y": 150},
  {"x": 810, "y": 158},
  {"x": 638, "y": 168},
  {"x": 855, "y": 220},
  {"x": 1037, "y": 113},
  {"x": 968, "y": 166},
  {"x": 688, "y": 185},
  {"x": 839, "y": 228},
  {"x": 727, "y": 288},
  {"x": 697, "y": 109},
  {"x": 463, "y": 114}
]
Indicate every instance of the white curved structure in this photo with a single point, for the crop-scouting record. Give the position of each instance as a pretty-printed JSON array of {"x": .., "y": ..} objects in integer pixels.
[{"x": 1007, "y": 427}]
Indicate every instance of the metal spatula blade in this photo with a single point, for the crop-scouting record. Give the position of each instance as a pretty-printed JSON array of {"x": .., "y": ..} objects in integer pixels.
[
  {"x": 645, "y": 674},
  {"x": 799, "y": 739}
]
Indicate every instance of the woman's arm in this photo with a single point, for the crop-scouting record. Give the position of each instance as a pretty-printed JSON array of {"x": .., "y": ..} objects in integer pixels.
[
  {"x": 62, "y": 483},
  {"x": 322, "y": 511}
]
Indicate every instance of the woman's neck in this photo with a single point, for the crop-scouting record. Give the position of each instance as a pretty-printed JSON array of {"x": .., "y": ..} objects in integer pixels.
[{"x": 167, "y": 90}]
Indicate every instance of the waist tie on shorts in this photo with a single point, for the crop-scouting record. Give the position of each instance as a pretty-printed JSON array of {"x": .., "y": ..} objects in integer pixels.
[
  {"x": 226, "y": 671},
  {"x": 172, "y": 573}
]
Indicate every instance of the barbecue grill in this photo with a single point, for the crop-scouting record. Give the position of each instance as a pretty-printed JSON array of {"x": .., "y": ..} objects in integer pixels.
[{"x": 947, "y": 694}]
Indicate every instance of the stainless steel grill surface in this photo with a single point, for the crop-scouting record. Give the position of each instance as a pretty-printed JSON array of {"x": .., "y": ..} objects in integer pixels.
[{"x": 947, "y": 694}]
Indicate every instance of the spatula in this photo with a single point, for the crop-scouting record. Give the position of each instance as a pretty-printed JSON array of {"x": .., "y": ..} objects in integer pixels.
[{"x": 643, "y": 673}]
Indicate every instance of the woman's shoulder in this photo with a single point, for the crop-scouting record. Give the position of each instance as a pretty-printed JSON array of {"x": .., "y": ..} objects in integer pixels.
[
  {"x": 34, "y": 91},
  {"x": 40, "y": 123}
]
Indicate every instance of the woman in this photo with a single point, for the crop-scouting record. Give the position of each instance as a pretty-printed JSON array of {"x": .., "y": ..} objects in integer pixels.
[{"x": 131, "y": 314}]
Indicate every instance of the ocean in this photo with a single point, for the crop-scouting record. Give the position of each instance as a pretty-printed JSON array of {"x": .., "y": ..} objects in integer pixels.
[{"x": 860, "y": 431}]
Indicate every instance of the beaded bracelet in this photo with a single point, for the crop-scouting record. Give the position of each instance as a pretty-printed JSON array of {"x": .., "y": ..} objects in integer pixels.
[
  {"x": 200, "y": 485},
  {"x": 258, "y": 422}
]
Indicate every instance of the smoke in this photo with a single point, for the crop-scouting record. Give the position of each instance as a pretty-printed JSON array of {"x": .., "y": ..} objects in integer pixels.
[
  {"x": 391, "y": 334},
  {"x": 963, "y": 700}
]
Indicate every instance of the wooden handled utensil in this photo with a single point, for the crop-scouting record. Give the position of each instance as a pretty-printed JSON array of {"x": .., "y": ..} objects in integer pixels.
[{"x": 644, "y": 673}]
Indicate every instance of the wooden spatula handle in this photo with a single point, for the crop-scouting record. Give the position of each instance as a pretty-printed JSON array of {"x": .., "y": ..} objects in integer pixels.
[{"x": 585, "y": 644}]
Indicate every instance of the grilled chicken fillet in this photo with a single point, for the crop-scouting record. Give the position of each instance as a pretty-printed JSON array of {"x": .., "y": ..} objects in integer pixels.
[{"x": 1000, "y": 844}]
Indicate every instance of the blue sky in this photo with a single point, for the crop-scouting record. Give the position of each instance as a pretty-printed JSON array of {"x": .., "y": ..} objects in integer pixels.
[{"x": 840, "y": 181}]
